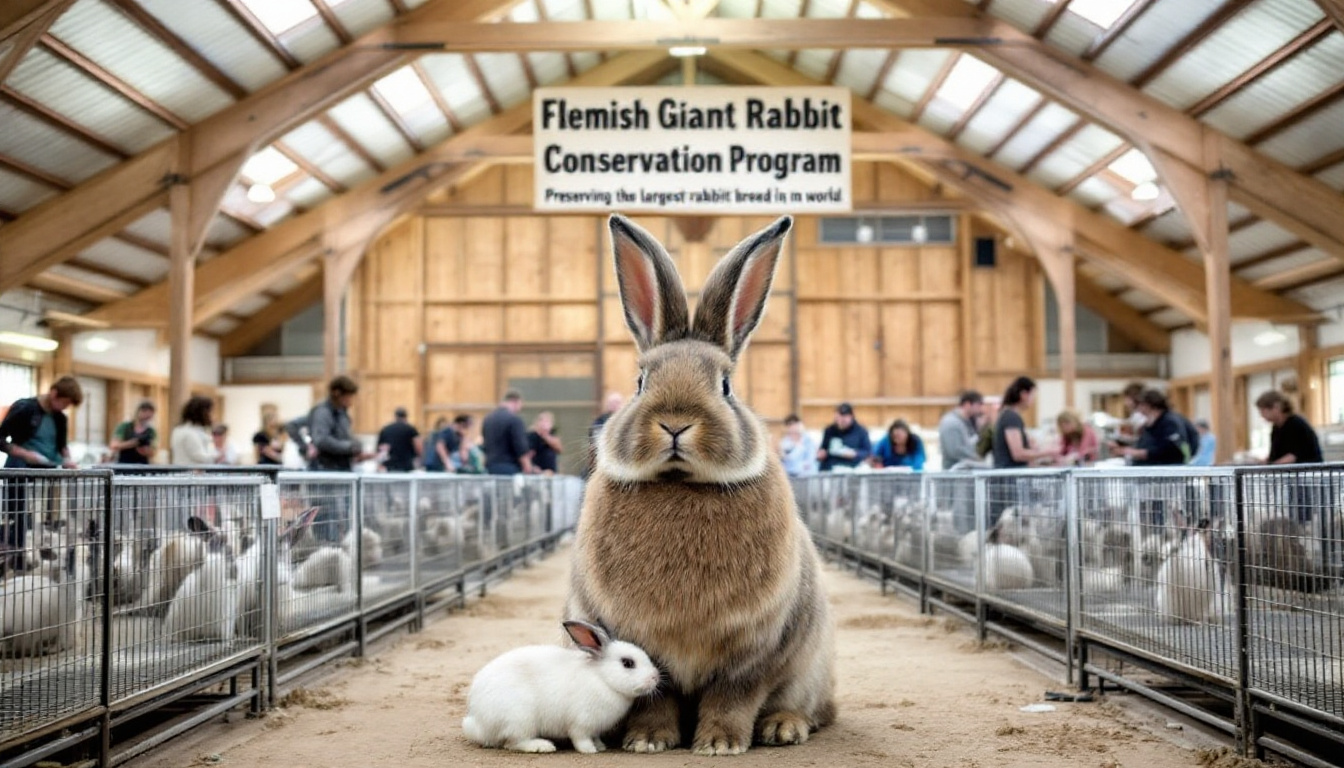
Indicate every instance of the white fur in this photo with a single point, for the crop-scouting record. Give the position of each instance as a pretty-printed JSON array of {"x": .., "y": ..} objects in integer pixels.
[
  {"x": 529, "y": 695},
  {"x": 371, "y": 544},
  {"x": 128, "y": 574},
  {"x": 171, "y": 564},
  {"x": 968, "y": 548},
  {"x": 205, "y": 606},
  {"x": 327, "y": 567},
  {"x": 39, "y": 615},
  {"x": 1006, "y": 567},
  {"x": 1103, "y": 579},
  {"x": 1188, "y": 585}
]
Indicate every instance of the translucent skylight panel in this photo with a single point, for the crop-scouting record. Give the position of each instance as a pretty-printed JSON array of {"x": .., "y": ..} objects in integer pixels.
[
  {"x": 404, "y": 91},
  {"x": 967, "y": 80},
  {"x": 1103, "y": 13},
  {"x": 280, "y": 16},
  {"x": 268, "y": 166},
  {"x": 1134, "y": 167}
]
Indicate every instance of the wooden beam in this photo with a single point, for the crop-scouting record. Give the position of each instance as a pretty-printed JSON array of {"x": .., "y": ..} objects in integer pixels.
[
  {"x": 350, "y": 142},
  {"x": 1101, "y": 239},
  {"x": 934, "y": 85},
  {"x": 1093, "y": 169},
  {"x": 1297, "y": 277},
  {"x": 1051, "y": 18},
  {"x": 1314, "y": 34},
  {"x": 1196, "y": 36},
  {"x": 882, "y": 73},
  {"x": 441, "y": 102},
  {"x": 17, "y": 166},
  {"x": 333, "y": 23},
  {"x": 58, "y": 121},
  {"x": 1299, "y": 113},
  {"x": 151, "y": 24},
  {"x": 270, "y": 317},
  {"x": 308, "y": 168},
  {"x": 352, "y": 218},
  {"x": 36, "y": 240},
  {"x": 1054, "y": 144},
  {"x": 244, "y": 16},
  {"x": 69, "y": 286},
  {"x": 1335, "y": 10},
  {"x": 28, "y": 22},
  {"x": 181, "y": 277},
  {"x": 110, "y": 81},
  {"x": 398, "y": 122},
  {"x": 1103, "y": 41},
  {"x": 970, "y": 113},
  {"x": 1126, "y": 320},
  {"x": 1050, "y": 234},
  {"x": 478, "y": 77}
]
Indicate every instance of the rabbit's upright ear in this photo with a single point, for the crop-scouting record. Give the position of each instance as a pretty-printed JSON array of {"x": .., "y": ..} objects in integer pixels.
[
  {"x": 733, "y": 299},
  {"x": 652, "y": 296},
  {"x": 588, "y": 637},
  {"x": 196, "y": 524}
]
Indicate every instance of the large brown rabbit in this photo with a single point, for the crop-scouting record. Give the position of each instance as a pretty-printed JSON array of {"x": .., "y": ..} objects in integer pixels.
[{"x": 689, "y": 544}]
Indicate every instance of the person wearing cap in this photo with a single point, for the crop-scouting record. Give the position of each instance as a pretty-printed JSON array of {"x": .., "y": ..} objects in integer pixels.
[
  {"x": 845, "y": 442},
  {"x": 134, "y": 441},
  {"x": 399, "y": 444},
  {"x": 1208, "y": 443}
]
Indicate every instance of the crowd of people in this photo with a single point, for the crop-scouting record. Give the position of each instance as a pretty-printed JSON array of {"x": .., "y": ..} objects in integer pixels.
[{"x": 979, "y": 434}]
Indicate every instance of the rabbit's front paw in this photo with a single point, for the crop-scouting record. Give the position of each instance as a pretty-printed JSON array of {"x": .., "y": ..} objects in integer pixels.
[
  {"x": 783, "y": 728},
  {"x": 717, "y": 739},
  {"x": 651, "y": 739},
  {"x": 655, "y": 726}
]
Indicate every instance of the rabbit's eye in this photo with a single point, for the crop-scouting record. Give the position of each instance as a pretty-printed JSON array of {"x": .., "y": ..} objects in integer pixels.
[
  {"x": 639, "y": 384},
  {"x": 627, "y": 662},
  {"x": 727, "y": 386}
]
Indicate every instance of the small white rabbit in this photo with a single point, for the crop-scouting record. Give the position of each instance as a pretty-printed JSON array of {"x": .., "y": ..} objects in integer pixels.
[
  {"x": 1189, "y": 585},
  {"x": 370, "y": 543},
  {"x": 205, "y": 606},
  {"x": 526, "y": 697},
  {"x": 1007, "y": 567},
  {"x": 327, "y": 567}
]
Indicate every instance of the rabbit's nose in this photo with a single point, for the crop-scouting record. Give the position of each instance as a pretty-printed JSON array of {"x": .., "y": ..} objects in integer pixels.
[{"x": 674, "y": 431}]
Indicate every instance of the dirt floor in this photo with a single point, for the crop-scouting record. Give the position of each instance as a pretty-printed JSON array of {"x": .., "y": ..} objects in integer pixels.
[{"x": 913, "y": 691}]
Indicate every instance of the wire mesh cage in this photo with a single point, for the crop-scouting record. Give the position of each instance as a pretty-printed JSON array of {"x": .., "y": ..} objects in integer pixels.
[
  {"x": 1294, "y": 532},
  {"x": 385, "y": 539},
  {"x": 177, "y": 586},
  {"x": 954, "y": 544},
  {"x": 315, "y": 566},
  {"x": 478, "y": 513},
  {"x": 568, "y": 502},
  {"x": 1157, "y": 564},
  {"x": 55, "y": 533},
  {"x": 831, "y": 507},
  {"x": 889, "y": 517},
  {"x": 512, "y": 513},
  {"x": 1024, "y": 560},
  {"x": 438, "y": 525}
]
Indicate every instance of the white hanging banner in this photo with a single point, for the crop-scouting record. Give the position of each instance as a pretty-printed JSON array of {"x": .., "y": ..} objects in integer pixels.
[{"x": 699, "y": 149}]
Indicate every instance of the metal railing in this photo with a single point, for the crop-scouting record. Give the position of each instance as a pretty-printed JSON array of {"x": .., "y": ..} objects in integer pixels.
[
  {"x": 124, "y": 592},
  {"x": 1228, "y": 581}
]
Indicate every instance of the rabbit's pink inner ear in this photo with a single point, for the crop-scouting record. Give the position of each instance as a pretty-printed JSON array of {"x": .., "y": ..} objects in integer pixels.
[
  {"x": 639, "y": 287},
  {"x": 753, "y": 288},
  {"x": 585, "y": 635}
]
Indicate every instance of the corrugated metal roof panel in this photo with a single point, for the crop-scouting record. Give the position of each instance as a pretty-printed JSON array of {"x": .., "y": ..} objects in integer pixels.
[
  {"x": 225, "y": 232},
  {"x": 1094, "y": 192},
  {"x": 550, "y": 68},
  {"x": 1023, "y": 14},
  {"x": 1333, "y": 177},
  {"x": 1258, "y": 238},
  {"x": 1306, "y": 75},
  {"x": 736, "y": 9},
  {"x": 859, "y": 69},
  {"x": 814, "y": 62},
  {"x": 605, "y": 9},
  {"x": 317, "y": 145},
  {"x": 1153, "y": 34},
  {"x": 211, "y": 31},
  {"x": 1170, "y": 318},
  {"x": 781, "y": 9},
  {"x": 1073, "y": 33},
  {"x": 250, "y": 305},
  {"x": 278, "y": 211},
  {"x": 93, "y": 278},
  {"x": 868, "y": 11},
  {"x": 66, "y": 90},
  {"x": 19, "y": 193},
  {"x": 893, "y": 103},
  {"x": 26, "y": 297},
  {"x": 155, "y": 226},
  {"x": 362, "y": 119},
  {"x": 1108, "y": 282},
  {"x": 53, "y": 151},
  {"x": 310, "y": 41},
  {"x": 284, "y": 284},
  {"x": 220, "y": 326},
  {"x": 914, "y": 72},
  {"x": 1076, "y": 155},
  {"x": 124, "y": 257},
  {"x": 504, "y": 76},
  {"x": 524, "y": 12},
  {"x": 308, "y": 193},
  {"x": 586, "y": 60},
  {"x": 1140, "y": 300},
  {"x": 410, "y": 99},
  {"x": 1236, "y": 46},
  {"x": 1044, "y": 128},
  {"x": 827, "y": 9},
  {"x": 998, "y": 115},
  {"x": 1325, "y": 296},
  {"x": 136, "y": 57},
  {"x": 1292, "y": 261},
  {"x": 360, "y": 16},
  {"x": 1236, "y": 211},
  {"x": 1170, "y": 227},
  {"x": 1318, "y": 135},
  {"x": 565, "y": 10}
]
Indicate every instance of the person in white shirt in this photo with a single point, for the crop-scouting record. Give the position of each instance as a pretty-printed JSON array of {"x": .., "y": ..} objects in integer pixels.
[
  {"x": 191, "y": 442},
  {"x": 957, "y": 431},
  {"x": 225, "y": 453},
  {"x": 797, "y": 449}
]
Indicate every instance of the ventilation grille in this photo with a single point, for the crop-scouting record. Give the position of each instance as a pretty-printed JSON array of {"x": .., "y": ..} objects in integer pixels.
[{"x": 889, "y": 230}]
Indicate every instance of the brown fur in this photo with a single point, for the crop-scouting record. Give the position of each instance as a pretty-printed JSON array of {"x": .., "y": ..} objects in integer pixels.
[{"x": 701, "y": 558}]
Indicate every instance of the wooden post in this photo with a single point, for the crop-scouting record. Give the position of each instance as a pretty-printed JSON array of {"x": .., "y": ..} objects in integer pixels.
[
  {"x": 338, "y": 266},
  {"x": 1311, "y": 398},
  {"x": 181, "y": 288},
  {"x": 1203, "y": 199},
  {"x": 1051, "y": 238}
]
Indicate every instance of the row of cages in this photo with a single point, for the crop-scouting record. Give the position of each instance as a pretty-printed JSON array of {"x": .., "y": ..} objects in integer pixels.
[
  {"x": 122, "y": 589},
  {"x": 1232, "y": 578}
]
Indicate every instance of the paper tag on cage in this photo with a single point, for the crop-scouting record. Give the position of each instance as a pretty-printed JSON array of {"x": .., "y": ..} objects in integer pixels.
[{"x": 270, "y": 502}]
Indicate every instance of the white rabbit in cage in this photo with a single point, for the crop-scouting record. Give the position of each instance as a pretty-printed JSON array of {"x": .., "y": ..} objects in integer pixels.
[
  {"x": 181, "y": 553},
  {"x": 42, "y": 612},
  {"x": 1006, "y": 567},
  {"x": 371, "y": 546},
  {"x": 327, "y": 567},
  {"x": 205, "y": 606},
  {"x": 1190, "y": 587},
  {"x": 438, "y": 534}
]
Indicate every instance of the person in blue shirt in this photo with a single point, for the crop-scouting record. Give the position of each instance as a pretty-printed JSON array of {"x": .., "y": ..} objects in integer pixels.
[
  {"x": 844, "y": 443},
  {"x": 797, "y": 449},
  {"x": 899, "y": 448},
  {"x": 1207, "y": 445}
]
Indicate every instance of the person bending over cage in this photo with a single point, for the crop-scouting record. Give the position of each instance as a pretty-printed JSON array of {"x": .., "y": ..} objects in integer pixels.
[{"x": 34, "y": 435}]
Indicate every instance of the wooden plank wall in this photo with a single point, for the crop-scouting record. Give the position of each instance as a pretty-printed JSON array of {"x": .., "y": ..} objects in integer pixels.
[{"x": 446, "y": 309}]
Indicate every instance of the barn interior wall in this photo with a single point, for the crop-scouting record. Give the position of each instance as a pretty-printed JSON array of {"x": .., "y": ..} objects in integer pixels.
[{"x": 447, "y": 310}]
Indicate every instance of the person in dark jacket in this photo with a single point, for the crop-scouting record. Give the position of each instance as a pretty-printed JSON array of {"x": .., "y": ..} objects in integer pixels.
[
  {"x": 545, "y": 445},
  {"x": 1163, "y": 440},
  {"x": 399, "y": 443},
  {"x": 329, "y": 425},
  {"x": 34, "y": 434},
  {"x": 505, "y": 438},
  {"x": 845, "y": 443},
  {"x": 1292, "y": 440}
]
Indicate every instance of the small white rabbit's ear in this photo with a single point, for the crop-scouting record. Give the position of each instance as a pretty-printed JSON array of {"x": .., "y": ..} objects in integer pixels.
[
  {"x": 197, "y": 525},
  {"x": 733, "y": 299},
  {"x": 652, "y": 296},
  {"x": 588, "y": 637}
]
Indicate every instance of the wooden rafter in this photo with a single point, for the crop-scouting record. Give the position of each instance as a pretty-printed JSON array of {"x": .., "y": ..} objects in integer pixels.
[
  {"x": 261, "y": 34},
  {"x": 1278, "y": 58},
  {"x": 802, "y": 14},
  {"x": 1118, "y": 29},
  {"x": 1274, "y": 253},
  {"x": 308, "y": 167},
  {"x": 333, "y": 23},
  {"x": 350, "y": 142},
  {"x": 15, "y": 165},
  {"x": 58, "y": 121},
  {"x": 22, "y": 26},
  {"x": 934, "y": 85},
  {"x": 985, "y": 95},
  {"x": 1335, "y": 10},
  {"x": 571, "y": 70},
  {"x": 1017, "y": 127},
  {"x": 1093, "y": 169},
  {"x": 270, "y": 317},
  {"x": 882, "y": 73},
  {"x": 1299, "y": 113},
  {"x": 439, "y": 101},
  {"x": 1063, "y": 138},
  {"x": 105, "y": 271},
  {"x": 44, "y": 234},
  {"x": 1296, "y": 277},
  {"x": 1323, "y": 162},
  {"x": 394, "y": 117},
  {"x": 529, "y": 74},
  {"x": 1051, "y": 18},
  {"x": 148, "y": 22},
  {"x": 110, "y": 81},
  {"x": 838, "y": 57},
  {"x": 1199, "y": 34},
  {"x": 1121, "y": 316},
  {"x": 478, "y": 76}
]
